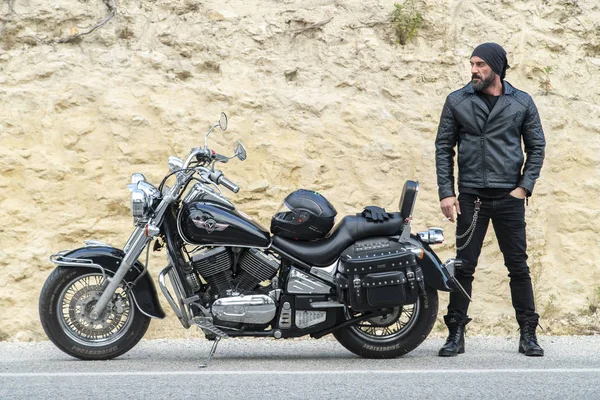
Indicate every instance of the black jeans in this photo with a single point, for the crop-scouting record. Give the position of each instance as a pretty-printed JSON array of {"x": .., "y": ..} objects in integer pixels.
[{"x": 508, "y": 218}]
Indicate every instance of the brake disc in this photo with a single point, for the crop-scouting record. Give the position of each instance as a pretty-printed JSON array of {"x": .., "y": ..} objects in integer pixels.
[{"x": 83, "y": 303}]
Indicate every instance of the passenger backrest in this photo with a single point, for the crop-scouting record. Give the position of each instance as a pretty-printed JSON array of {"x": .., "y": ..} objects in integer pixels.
[{"x": 408, "y": 199}]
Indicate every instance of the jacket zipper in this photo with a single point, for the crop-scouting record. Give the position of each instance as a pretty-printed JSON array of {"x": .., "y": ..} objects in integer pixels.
[{"x": 484, "y": 164}]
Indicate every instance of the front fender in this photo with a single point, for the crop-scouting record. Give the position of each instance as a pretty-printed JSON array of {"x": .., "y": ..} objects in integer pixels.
[
  {"x": 434, "y": 273},
  {"x": 108, "y": 259}
]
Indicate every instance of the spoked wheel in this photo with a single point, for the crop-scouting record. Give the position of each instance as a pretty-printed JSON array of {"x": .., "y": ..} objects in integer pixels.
[
  {"x": 394, "y": 334},
  {"x": 66, "y": 302}
]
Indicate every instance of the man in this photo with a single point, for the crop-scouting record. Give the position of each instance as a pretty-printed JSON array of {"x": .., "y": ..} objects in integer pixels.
[{"x": 486, "y": 120}]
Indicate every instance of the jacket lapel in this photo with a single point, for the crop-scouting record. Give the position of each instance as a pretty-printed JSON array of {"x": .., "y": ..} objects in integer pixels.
[
  {"x": 480, "y": 103},
  {"x": 480, "y": 111},
  {"x": 502, "y": 103}
]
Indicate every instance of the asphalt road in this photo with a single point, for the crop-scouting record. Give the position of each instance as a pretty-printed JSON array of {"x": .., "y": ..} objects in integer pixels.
[{"x": 304, "y": 369}]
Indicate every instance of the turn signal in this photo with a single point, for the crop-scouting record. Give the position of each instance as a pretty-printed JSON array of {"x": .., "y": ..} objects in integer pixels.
[
  {"x": 151, "y": 230},
  {"x": 418, "y": 252}
]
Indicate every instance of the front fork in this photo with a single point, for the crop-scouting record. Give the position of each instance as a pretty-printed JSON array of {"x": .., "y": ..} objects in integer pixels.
[
  {"x": 140, "y": 237},
  {"x": 134, "y": 247}
]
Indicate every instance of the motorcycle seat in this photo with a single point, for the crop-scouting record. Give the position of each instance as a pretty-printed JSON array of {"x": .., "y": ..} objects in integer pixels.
[{"x": 324, "y": 252}]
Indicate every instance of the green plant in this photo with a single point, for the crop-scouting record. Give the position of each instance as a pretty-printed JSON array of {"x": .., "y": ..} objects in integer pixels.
[
  {"x": 593, "y": 302},
  {"x": 545, "y": 83},
  {"x": 550, "y": 309},
  {"x": 406, "y": 20}
]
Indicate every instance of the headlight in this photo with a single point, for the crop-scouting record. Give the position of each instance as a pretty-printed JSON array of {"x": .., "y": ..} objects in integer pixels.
[
  {"x": 149, "y": 189},
  {"x": 140, "y": 203},
  {"x": 142, "y": 196}
]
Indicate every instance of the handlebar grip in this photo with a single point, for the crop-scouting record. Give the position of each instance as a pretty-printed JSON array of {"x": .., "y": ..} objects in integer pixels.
[
  {"x": 228, "y": 184},
  {"x": 220, "y": 158}
]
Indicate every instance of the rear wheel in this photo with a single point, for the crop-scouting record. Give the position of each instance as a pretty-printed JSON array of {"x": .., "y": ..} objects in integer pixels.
[
  {"x": 394, "y": 334},
  {"x": 66, "y": 301}
]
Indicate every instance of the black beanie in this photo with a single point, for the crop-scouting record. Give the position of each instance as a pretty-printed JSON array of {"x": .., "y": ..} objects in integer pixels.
[{"x": 494, "y": 55}]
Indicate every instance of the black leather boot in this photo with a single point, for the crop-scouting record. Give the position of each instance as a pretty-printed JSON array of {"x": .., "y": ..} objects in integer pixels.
[
  {"x": 455, "y": 343},
  {"x": 528, "y": 344}
]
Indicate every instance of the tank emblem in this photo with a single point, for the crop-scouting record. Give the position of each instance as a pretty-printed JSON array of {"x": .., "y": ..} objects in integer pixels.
[{"x": 210, "y": 225}]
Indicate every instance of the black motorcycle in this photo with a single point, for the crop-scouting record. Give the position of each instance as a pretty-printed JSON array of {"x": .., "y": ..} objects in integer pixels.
[{"x": 368, "y": 281}]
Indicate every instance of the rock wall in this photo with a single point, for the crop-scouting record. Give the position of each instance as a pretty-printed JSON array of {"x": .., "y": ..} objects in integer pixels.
[{"x": 338, "y": 107}]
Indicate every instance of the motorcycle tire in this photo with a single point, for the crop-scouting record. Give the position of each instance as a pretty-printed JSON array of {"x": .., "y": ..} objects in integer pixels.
[
  {"x": 66, "y": 299},
  {"x": 362, "y": 339}
]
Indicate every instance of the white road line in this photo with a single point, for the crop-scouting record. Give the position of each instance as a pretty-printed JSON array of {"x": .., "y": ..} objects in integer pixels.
[{"x": 329, "y": 372}]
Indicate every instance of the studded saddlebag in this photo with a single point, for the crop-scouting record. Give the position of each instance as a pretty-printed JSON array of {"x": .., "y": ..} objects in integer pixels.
[{"x": 378, "y": 273}]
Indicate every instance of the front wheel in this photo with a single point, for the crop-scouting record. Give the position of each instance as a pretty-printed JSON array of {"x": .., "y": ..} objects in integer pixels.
[
  {"x": 66, "y": 301},
  {"x": 394, "y": 334}
]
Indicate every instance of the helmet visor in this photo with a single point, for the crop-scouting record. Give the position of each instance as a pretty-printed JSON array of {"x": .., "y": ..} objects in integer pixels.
[{"x": 288, "y": 214}]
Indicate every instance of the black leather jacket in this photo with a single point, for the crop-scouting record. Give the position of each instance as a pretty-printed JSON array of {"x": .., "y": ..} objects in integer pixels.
[{"x": 489, "y": 144}]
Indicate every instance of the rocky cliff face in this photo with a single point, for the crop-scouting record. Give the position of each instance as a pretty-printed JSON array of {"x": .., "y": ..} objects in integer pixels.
[{"x": 337, "y": 107}]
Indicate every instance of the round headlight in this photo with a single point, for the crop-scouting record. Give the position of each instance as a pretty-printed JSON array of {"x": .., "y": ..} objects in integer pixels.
[
  {"x": 140, "y": 202},
  {"x": 143, "y": 194}
]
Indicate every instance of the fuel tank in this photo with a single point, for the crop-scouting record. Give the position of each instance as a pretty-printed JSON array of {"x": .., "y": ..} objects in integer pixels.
[{"x": 211, "y": 223}]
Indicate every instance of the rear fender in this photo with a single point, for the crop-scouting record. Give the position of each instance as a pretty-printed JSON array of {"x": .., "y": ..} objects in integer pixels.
[
  {"x": 434, "y": 272},
  {"x": 107, "y": 259}
]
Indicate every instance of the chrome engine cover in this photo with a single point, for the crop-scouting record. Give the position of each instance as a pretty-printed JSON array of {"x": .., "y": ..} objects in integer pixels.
[
  {"x": 306, "y": 319},
  {"x": 248, "y": 309},
  {"x": 301, "y": 283}
]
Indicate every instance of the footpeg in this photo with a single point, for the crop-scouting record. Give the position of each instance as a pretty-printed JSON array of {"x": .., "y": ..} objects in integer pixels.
[{"x": 206, "y": 324}]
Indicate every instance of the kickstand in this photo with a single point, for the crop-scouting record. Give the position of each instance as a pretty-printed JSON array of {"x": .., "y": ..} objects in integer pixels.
[{"x": 212, "y": 352}]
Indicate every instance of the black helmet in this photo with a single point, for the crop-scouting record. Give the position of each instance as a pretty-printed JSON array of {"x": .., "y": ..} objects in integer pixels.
[{"x": 303, "y": 215}]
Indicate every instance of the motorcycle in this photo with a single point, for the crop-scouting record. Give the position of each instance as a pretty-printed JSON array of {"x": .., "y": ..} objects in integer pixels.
[{"x": 372, "y": 284}]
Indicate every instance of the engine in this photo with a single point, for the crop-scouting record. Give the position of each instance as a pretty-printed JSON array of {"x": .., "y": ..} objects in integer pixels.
[
  {"x": 215, "y": 266},
  {"x": 255, "y": 267},
  {"x": 239, "y": 300}
]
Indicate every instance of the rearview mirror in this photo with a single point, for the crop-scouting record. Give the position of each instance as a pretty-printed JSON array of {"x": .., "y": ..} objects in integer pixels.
[
  {"x": 240, "y": 150},
  {"x": 223, "y": 121},
  {"x": 222, "y": 124}
]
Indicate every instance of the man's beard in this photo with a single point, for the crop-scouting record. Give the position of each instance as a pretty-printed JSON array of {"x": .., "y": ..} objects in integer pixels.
[{"x": 482, "y": 84}]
